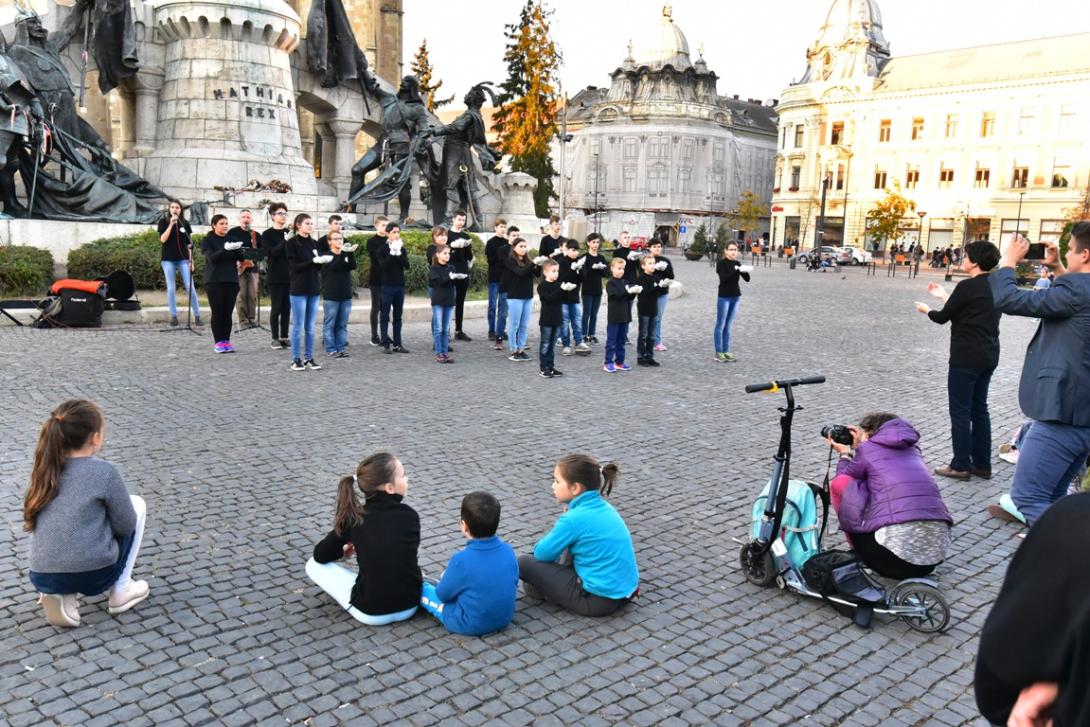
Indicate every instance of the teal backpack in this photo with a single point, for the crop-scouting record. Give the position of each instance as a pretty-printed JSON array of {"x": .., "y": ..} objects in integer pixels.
[{"x": 800, "y": 528}]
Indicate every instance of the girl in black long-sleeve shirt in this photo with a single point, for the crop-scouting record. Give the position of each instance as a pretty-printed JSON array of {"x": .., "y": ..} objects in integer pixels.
[
  {"x": 519, "y": 271},
  {"x": 304, "y": 264},
  {"x": 729, "y": 271},
  {"x": 595, "y": 270},
  {"x": 383, "y": 533},
  {"x": 221, "y": 280},
  {"x": 442, "y": 278},
  {"x": 337, "y": 294}
]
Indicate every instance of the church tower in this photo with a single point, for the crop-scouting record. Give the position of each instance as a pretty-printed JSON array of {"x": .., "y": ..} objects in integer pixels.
[{"x": 850, "y": 49}]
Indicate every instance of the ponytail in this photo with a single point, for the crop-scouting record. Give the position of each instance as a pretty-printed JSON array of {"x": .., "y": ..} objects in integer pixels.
[
  {"x": 370, "y": 476},
  {"x": 68, "y": 428},
  {"x": 349, "y": 509},
  {"x": 585, "y": 470}
]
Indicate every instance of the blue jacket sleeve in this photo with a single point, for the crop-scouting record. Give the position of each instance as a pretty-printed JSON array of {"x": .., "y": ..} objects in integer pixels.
[
  {"x": 1059, "y": 301},
  {"x": 549, "y": 548},
  {"x": 452, "y": 583}
]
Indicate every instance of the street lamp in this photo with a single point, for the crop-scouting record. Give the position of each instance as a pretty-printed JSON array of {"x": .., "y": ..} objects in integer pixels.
[
  {"x": 820, "y": 232},
  {"x": 1018, "y": 221},
  {"x": 922, "y": 214},
  {"x": 596, "y": 192}
]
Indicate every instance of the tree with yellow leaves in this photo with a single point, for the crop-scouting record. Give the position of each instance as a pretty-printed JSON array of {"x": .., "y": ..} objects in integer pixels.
[{"x": 422, "y": 69}]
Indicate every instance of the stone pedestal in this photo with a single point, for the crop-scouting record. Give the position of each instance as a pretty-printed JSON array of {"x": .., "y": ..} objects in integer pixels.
[
  {"x": 518, "y": 201},
  {"x": 226, "y": 110}
]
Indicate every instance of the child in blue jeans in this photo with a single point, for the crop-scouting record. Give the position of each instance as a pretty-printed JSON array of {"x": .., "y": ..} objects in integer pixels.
[{"x": 476, "y": 594}]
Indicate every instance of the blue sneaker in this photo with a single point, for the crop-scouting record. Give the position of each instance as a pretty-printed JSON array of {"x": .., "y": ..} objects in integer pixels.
[
  {"x": 609, "y": 368},
  {"x": 221, "y": 347},
  {"x": 624, "y": 367}
]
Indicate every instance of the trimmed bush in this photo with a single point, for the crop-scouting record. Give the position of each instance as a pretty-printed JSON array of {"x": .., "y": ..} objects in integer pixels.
[
  {"x": 25, "y": 270},
  {"x": 139, "y": 255}
]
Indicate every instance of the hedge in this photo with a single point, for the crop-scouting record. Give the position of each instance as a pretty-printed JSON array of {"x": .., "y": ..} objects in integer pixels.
[
  {"x": 139, "y": 255},
  {"x": 25, "y": 270}
]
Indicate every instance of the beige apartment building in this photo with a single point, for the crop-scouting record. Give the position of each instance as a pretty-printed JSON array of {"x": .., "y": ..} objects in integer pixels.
[{"x": 984, "y": 140}]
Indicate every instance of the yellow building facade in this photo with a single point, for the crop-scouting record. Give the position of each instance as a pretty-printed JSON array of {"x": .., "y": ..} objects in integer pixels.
[{"x": 984, "y": 140}]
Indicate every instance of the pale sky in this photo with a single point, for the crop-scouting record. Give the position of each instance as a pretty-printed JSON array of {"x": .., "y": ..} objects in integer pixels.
[{"x": 756, "y": 48}]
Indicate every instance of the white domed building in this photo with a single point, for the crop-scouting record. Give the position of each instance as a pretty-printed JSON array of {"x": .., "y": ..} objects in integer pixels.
[{"x": 660, "y": 150}]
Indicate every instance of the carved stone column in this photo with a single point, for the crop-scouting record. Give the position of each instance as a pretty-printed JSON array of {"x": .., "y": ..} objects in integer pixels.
[{"x": 344, "y": 132}]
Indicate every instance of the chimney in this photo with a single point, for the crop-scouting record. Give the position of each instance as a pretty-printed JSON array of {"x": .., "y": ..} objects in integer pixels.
[{"x": 735, "y": 97}]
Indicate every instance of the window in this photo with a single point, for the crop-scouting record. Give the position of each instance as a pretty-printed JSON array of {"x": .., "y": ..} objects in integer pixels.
[
  {"x": 1027, "y": 122},
  {"x": 1020, "y": 177},
  {"x": 631, "y": 150},
  {"x": 658, "y": 148},
  {"x": 657, "y": 179},
  {"x": 796, "y": 176},
  {"x": 799, "y": 132},
  {"x": 836, "y": 136},
  {"x": 684, "y": 176},
  {"x": 987, "y": 124},
  {"x": 719, "y": 152},
  {"x": 1051, "y": 230},
  {"x": 1008, "y": 227},
  {"x": 946, "y": 178},
  {"x": 1060, "y": 174},
  {"x": 1067, "y": 119},
  {"x": 912, "y": 178},
  {"x": 884, "y": 130},
  {"x": 951, "y": 126},
  {"x": 629, "y": 179},
  {"x": 839, "y": 177},
  {"x": 879, "y": 179},
  {"x": 783, "y": 137},
  {"x": 917, "y": 128},
  {"x": 983, "y": 176},
  {"x": 687, "y": 149}
]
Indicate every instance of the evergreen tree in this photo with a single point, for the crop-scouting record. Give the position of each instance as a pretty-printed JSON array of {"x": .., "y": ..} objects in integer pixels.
[
  {"x": 526, "y": 118},
  {"x": 422, "y": 69}
]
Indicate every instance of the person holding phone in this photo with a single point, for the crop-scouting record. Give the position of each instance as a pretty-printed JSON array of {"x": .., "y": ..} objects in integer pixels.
[
  {"x": 974, "y": 354},
  {"x": 1053, "y": 390}
]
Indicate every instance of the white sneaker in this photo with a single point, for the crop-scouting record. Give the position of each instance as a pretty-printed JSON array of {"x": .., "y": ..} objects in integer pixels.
[
  {"x": 1011, "y": 456},
  {"x": 60, "y": 610},
  {"x": 132, "y": 593},
  {"x": 582, "y": 349},
  {"x": 566, "y": 351}
]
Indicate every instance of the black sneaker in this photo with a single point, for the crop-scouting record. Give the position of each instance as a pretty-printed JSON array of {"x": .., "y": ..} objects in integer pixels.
[
  {"x": 545, "y": 374},
  {"x": 401, "y": 349},
  {"x": 523, "y": 356},
  {"x": 491, "y": 336},
  {"x": 312, "y": 365},
  {"x": 556, "y": 373},
  {"x": 285, "y": 343},
  {"x": 174, "y": 321},
  {"x": 459, "y": 336},
  {"x": 275, "y": 345},
  {"x": 653, "y": 362},
  {"x": 376, "y": 342},
  {"x": 387, "y": 348},
  {"x": 297, "y": 365},
  {"x": 514, "y": 356},
  {"x": 642, "y": 362}
]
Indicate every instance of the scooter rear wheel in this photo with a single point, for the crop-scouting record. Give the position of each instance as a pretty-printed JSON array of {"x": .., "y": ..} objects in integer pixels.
[
  {"x": 758, "y": 567},
  {"x": 936, "y": 611}
]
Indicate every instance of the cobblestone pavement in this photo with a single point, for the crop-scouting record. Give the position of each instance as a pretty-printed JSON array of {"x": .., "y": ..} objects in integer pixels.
[{"x": 238, "y": 458}]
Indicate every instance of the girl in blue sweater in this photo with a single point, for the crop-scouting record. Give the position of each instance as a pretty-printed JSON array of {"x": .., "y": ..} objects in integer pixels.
[{"x": 586, "y": 563}]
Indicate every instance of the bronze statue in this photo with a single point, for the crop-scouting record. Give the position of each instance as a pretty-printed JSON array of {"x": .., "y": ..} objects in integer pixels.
[
  {"x": 18, "y": 110},
  {"x": 463, "y": 134}
]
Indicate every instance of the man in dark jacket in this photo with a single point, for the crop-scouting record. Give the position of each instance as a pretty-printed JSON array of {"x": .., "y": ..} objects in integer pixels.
[{"x": 1053, "y": 390}]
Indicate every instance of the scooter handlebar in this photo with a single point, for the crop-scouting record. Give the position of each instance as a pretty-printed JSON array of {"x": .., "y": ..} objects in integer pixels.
[{"x": 776, "y": 385}]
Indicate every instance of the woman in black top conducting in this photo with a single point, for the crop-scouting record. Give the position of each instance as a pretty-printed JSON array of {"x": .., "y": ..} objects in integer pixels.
[
  {"x": 729, "y": 270},
  {"x": 974, "y": 354},
  {"x": 176, "y": 255},
  {"x": 304, "y": 264},
  {"x": 221, "y": 280}
]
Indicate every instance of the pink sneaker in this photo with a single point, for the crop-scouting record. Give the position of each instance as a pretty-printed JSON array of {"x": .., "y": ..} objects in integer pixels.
[
  {"x": 132, "y": 593},
  {"x": 660, "y": 347},
  {"x": 60, "y": 610}
]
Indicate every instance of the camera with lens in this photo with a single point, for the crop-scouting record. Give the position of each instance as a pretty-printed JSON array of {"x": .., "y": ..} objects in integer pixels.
[{"x": 839, "y": 433}]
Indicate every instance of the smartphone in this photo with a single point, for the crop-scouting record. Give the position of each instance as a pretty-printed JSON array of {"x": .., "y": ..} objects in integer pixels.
[{"x": 1036, "y": 251}]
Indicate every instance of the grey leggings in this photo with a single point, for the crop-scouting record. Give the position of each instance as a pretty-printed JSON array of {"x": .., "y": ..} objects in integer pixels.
[{"x": 562, "y": 586}]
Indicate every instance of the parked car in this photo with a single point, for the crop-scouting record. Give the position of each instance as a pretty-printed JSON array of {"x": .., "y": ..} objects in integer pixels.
[
  {"x": 825, "y": 252},
  {"x": 857, "y": 256}
]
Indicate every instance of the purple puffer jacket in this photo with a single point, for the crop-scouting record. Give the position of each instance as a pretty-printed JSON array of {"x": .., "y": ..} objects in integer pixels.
[{"x": 892, "y": 484}]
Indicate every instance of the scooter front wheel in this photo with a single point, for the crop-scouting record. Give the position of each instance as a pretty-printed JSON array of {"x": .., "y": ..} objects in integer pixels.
[
  {"x": 758, "y": 567},
  {"x": 932, "y": 611}
]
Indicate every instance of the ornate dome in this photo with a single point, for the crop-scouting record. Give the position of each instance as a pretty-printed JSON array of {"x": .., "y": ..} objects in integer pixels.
[
  {"x": 667, "y": 46},
  {"x": 848, "y": 18}
]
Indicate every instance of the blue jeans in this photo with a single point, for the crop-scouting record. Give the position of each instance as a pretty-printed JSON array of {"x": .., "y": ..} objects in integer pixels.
[
  {"x": 170, "y": 269},
  {"x": 393, "y": 303},
  {"x": 304, "y": 312},
  {"x": 616, "y": 333},
  {"x": 590, "y": 313},
  {"x": 663, "y": 300},
  {"x": 1050, "y": 457},
  {"x": 497, "y": 310},
  {"x": 335, "y": 324},
  {"x": 518, "y": 322},
  {"x": 573, "y": 319},
  {"x": 547, "y": 350},
  {"x": 725, "y": 311},
  {"x": 970, "y": 424},
  {"x": 645, "y": 344},
  {"x": 440, "y": 327},
  {"x": 89, "y": 583}
]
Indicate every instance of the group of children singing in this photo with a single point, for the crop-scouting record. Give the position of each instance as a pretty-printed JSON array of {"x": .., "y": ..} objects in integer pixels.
[{"x": 86, "y": 532}]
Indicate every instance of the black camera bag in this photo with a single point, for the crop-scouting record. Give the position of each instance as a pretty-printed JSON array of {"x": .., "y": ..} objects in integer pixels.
[{"x": 839, "y": 573}]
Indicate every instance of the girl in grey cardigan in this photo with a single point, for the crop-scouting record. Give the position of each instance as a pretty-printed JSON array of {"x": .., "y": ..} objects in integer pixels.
[{"x": 86, "y": 528}]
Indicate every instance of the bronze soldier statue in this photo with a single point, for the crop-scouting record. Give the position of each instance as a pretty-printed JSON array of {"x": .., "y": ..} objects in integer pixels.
[
  {"x": 19, "y": 109},
  {"x": 463, "y": 134}
]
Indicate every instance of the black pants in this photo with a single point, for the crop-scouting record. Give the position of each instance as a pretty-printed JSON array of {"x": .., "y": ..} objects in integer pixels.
[
  {"x": 645, "y": 344},
  {"x": 221, "y": 298},
  {"x": 280, "y": 315},
  {"x": 461, "y": 287},
  {"x": 376, "y": 306},
  {"x": 883, "y": 561},
  {"x": 560, "y": 585}
]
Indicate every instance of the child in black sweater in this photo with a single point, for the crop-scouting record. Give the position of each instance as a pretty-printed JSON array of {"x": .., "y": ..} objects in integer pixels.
[
  {"x": 647, "y": 302},
  {"x": 552, "y": 294},
  {"x": 619, "y": 295},
  {"x": 664, "y": 269},
  {"x": 337, "y": 294},
  {"x": 383, "y": 534},
  {"x": 595, "y": 269},
  {"x": 441, "y": 282},
  {"x": 394, "y": 261}
]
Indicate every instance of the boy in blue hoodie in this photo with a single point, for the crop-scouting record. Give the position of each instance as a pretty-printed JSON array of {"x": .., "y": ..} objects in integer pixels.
[{"x": 476, "y": 594}]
